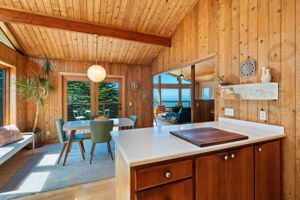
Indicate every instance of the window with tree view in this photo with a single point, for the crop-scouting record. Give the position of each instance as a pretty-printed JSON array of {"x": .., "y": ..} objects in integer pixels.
[
  {"x": 79, "y": 100},
  {"x": 109, "y": 99}
]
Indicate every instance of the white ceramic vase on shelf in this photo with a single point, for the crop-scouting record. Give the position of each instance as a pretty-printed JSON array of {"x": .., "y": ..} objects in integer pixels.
[{"x": 265, "y": 75}]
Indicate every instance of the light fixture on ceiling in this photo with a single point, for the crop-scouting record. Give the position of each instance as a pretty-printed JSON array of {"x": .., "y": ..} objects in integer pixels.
[
  {"x": 96, "y": 73},
  {"x": 181, "y": 76}
]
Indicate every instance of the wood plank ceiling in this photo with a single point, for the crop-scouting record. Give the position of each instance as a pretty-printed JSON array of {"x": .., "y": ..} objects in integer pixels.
[{"x": 155, "y": 17}]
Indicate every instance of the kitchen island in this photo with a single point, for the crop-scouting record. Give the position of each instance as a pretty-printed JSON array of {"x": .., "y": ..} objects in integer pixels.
[{"x": 153, "y": 164}]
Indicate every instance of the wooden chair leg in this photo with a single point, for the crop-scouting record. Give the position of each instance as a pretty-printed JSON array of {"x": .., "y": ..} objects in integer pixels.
[
  {"x": 109, "y": 150},
  {"x": 92, "y": 152},
  {"x": 69, "y": 146},
  {"x": 81, "y": 142},
  {"x": 62, "y": 152},
  {"x": 81, "y": 150}
]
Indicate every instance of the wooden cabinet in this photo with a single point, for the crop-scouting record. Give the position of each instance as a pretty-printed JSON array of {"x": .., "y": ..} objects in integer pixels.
[
  {"x": 158, "y": 175},
  {"x": 182, "y": 190},
  {"x": 228, "y": 175},
  {"x": 267, "y": 171},
  {"x": 246, "y": 173}
]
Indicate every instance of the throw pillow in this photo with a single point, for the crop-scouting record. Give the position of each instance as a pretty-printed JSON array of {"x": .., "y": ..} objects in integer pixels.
[{"x": 9, "y": 134}]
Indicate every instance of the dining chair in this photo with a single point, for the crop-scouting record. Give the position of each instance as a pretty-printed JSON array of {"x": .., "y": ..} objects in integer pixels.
[
  {"x": 63, "y": 139},
  {"x": 134, "y": 119},
  {"x": 100, "y": 133}
]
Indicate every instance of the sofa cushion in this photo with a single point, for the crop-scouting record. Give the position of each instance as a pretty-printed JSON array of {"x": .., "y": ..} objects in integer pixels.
[
  {"x": 9, "y": 134},
  {"x": 176, "y": 109}
]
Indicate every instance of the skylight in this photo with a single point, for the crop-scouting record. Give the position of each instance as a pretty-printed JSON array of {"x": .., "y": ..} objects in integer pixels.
[{"x": 5, "y": 40}]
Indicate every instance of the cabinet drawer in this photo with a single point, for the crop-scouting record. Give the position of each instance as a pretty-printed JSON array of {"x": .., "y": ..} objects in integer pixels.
[
  {"x": 182, "y": 190},
  {"x": 153, "y": 176}
]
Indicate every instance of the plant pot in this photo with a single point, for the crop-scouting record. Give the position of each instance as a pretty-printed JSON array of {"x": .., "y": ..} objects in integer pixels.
[{"x": 38, "y": 134}]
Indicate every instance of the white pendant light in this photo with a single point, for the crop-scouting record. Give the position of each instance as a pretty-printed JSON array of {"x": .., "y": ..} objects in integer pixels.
[{"x": 96, "y": 73}]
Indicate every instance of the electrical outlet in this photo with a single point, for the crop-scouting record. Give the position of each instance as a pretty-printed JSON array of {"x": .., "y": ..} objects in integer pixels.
[
  {"x": 229, "y": 112},
  {"x": 48, "y": 133},
  {"x": 263, "y": 115}
]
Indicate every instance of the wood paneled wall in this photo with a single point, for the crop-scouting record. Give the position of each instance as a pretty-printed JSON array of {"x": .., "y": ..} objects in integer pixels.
[
  {"x": 193, "y": 40},
  {"x": 17, "y": 64},
  {"x": 131, "y": 72},
  {"x": 267, "y": 31}
]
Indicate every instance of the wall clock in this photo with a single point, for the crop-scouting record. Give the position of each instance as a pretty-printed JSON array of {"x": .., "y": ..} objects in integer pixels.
[{"x": 247, "y": 68}]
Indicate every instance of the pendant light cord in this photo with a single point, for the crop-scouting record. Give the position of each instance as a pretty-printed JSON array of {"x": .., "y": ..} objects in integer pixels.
[{"x": 96, "y": 49}]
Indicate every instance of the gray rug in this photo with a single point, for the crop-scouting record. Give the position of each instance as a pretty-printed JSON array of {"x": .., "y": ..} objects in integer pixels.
[{"x": 41, "y": 173}]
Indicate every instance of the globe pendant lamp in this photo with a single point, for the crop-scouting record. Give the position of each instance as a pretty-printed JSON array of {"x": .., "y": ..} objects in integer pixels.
[{"x": 96, "y": 73}]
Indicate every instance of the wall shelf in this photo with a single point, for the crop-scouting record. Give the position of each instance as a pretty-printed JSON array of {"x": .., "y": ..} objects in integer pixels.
[{"x": 254, "y": 91}]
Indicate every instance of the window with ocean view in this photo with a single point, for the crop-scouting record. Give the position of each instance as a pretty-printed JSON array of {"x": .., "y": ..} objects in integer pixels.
[{"x": 173, "y": 91}]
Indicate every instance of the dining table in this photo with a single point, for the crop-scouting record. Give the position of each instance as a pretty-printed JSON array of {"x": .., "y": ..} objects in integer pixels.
[{"x": 83, "y": 127}]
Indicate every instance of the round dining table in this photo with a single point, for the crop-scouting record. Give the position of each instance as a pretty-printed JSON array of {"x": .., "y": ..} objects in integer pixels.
[{"x": 83, "y": 127}]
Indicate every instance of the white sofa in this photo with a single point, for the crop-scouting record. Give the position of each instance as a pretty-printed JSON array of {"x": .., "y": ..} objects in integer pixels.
[{"x": 7, "y": 151}]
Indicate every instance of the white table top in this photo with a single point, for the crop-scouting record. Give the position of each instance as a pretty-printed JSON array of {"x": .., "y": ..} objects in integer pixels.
[
  {"x": 85, "y": 124},
  {"x": 148, "y": 145}
]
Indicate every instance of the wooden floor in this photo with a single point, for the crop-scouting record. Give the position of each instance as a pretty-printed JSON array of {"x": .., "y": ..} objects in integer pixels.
[{"x": 103, "y": 189}]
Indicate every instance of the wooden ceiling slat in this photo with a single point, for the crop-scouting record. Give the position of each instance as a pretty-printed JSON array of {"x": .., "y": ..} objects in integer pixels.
[
  {"x": 103, "y": 5},
  {"x": 109, "y": 11},
  {"x": 144, "y": 15}
]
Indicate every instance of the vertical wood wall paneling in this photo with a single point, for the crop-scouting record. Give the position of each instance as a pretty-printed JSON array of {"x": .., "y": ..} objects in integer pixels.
[
  {"x": 297, "y": 99},
  {"x": 11, "y": 57},
  {"x": 288, "y": 80},
  {"x": 268, "y": 32},
  {"x": 53, "y": 111}
]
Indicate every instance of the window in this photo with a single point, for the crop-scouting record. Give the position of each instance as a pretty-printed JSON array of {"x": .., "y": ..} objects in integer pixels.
[
  {"x": 5, "y": 40},
  {"x": 186, "y": 82},
  {"x": 155, "y": 79},
  {"x": 186, "y": 94},
  {"x": 155, "y": 97},
  {"x": 168, "y": 79},
  {"x": 79, "y": 100},
  {"x": 169, "y": 95},
  {"x": 206, "y": 93}
]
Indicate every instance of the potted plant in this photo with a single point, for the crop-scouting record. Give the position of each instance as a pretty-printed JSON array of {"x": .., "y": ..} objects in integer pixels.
[
  {"x": 221, "y": 80},
  {"x": 36, "y": 87}
]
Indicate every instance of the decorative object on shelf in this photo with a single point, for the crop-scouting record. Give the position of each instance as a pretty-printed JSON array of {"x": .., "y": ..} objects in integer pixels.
[
  {"x": 265, "y": 75},
  {"x": 247, "y": 68},
  {"x": 221, "y": 80},
  {"x": 96, "y": 73},
  {"x": 135, "y": 86},
  {"x": 146, "y": 96},
  {"x": 255, "y": 91}
]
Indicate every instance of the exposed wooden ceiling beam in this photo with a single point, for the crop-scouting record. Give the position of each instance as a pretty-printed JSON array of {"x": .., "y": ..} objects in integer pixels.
[
  {"x": 12, "y": 37},
  {"x": 18, "y": 16}
]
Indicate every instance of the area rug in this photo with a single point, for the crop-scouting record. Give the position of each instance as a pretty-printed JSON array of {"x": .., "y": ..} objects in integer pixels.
[{"x": 41, "y": 173}]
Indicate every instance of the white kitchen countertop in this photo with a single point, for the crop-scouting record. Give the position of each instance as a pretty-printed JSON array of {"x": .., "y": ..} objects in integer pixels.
[{"x": 148, "y": 145}]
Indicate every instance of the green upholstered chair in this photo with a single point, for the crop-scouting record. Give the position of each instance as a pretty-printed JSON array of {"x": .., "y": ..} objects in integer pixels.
[
  {"x": 134, "y": 119},
  {"x": 100, "y": 133},
  {"x": 63, "y": 139}
]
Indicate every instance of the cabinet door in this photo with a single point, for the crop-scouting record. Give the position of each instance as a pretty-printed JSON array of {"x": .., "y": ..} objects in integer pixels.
[
  {"x": 267, "y": 171},
  {"x": 241, "y": 174},
  {"x": 182, "y": 190},
  {"x": 211, "y": 179}
]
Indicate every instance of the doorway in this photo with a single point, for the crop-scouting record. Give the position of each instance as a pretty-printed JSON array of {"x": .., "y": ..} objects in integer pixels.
[{"x": 83, "y": 99}]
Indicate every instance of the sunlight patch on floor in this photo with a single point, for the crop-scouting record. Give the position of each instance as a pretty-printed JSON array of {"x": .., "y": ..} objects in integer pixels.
[{"x": 48, "y": 160}]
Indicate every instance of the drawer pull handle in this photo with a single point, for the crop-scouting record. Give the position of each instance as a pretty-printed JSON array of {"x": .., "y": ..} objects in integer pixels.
[
  {"x": 260, "y": 149},
  {"x": 167, "y": 174},
  {"x": 226, "y": 157},
  {"x": 233, "y": 155}
]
